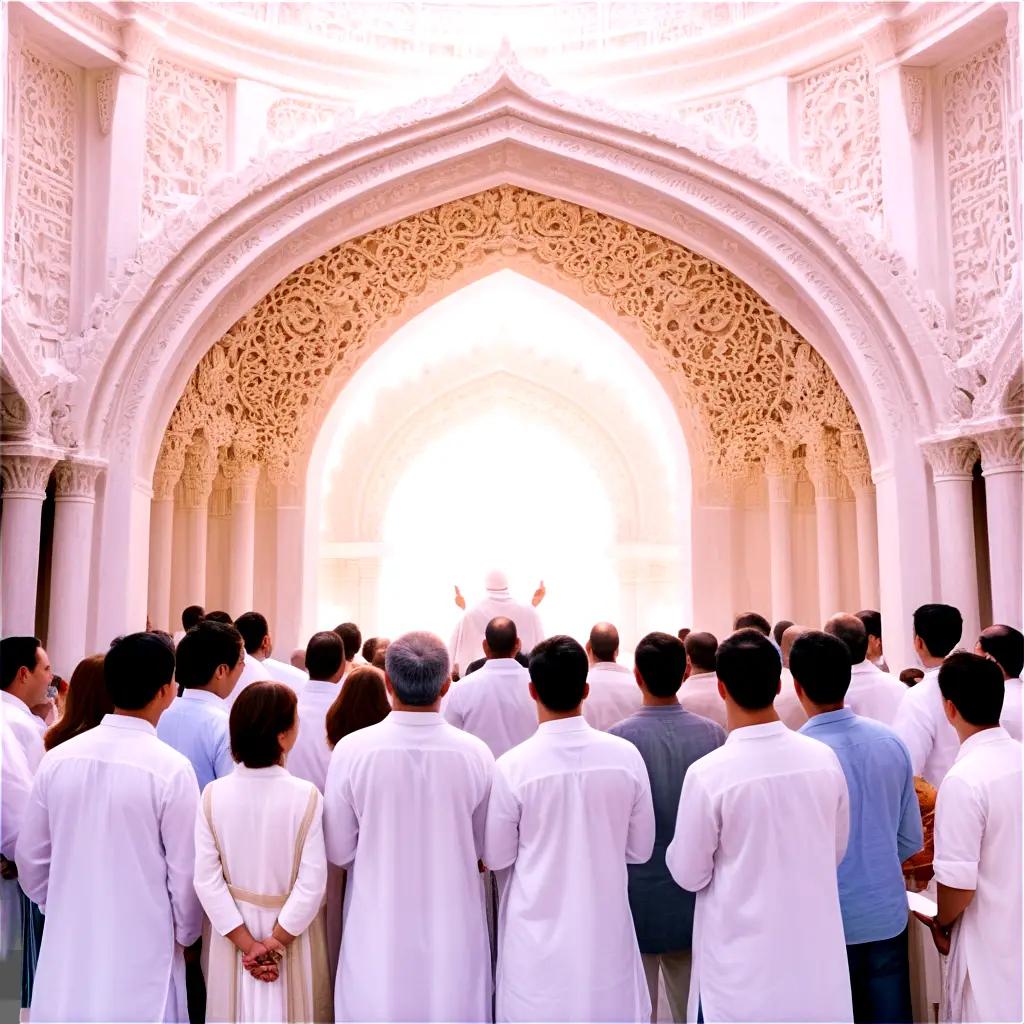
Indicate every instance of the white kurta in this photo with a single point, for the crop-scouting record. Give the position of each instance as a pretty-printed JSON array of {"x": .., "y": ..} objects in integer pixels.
[
  {"x": 874, "y": 693},
  {"x": 285, "y": 673},
  {"x": 468, "y": 638},
  {"x": 762, "y": 826},
  {"x": 309, "y": 758},
  {"x": 978, "y": 826},
  {"x": 922, "y": 725},
  {"x": 252, "y": 672},
  {"x": 699, "y": 695},
  {"x": 787, "y": 703},
  {"x": 405, "y": 806},
  {"x": 570, "y": 808},
  {"x": 613, "y": 695},
  {"x": 494, "y": 703},
  {"x": 1011, "y": 718},
  {"x": 106, "y": 850},
  {"x": 260, "y": 858}
]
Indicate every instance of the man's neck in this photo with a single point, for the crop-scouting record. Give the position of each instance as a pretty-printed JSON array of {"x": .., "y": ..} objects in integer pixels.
[
  {"x": 17, "y": 696},
  {"x": 547, "y": 715},
  {"x": 650, "y": 701},
  {"x": 147, "y": 714},
  {"x": 813, "y": 710},
  {"x": 739, "y": 718},
  {"x": 397, "y": 705},
  {"x": 930, "y": 661},
  {"x": 698, "y": 671},
  {"x": 603, "y": 662},
  {"x": 965, "y": 730}
]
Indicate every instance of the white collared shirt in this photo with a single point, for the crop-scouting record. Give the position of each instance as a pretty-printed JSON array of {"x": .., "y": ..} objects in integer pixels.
[
  {"x": 26, "y": 728},
  {"x": 874, "y": 693},
  {"x": 1010, "y": 719},
  {"x": 922, "y": 725},
  {"x": 494, "y": 703},
  {"x": 252, "y": 672},
  {"x": 614, "y": 695},
  {"x": 699, "y": 695},
  {"x": 787, "y": 703},
  {"x": 196, "y": 725},
  {"x": 285, "y": 673},
  {"x": 310, "y": 756}
]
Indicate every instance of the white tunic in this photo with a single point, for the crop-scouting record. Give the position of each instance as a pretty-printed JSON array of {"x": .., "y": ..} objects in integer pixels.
[
  {"x": 762, "y": 825},
  {"x": 468, "y": 638},
  {"x": 570, "y": 808},
  {"x": 285, "y": 673},
  {"x": 874, "y": 693},
  {"x": 699, "y": 695},
  {"x": 252, "y": 672},
  {"x": 978, "y": 846},
  {"x": 494, "y": 703},
  {"x": 787, "y": 703},
  {"x": 922, "y": 725},
  {"x": 1011, "y": 718},
  {"x": 405, "y": 807},
  {"x": 613, "y": 695},
  {"x": 309, "y": 758},
  {"x": 106, "y": 850}
]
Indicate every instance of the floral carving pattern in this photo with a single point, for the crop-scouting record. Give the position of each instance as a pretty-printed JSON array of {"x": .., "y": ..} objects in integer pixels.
[
  {"x": 186, "y": 136},
  {"x": 292, "y": 116},
  {"x": 839, "y": 133},
  {"x": 735, "y": 360},
  {"x": 732, "y": 118}
]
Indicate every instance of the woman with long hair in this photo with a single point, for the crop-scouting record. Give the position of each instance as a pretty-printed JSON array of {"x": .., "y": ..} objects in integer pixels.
[
  {"x": 363, "y": 701},
  {"x": 85, "y": 703}
]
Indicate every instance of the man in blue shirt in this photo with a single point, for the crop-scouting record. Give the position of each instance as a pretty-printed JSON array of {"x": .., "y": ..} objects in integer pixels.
[
  {"x": 669, "y": 739},
  {"x": 885, "y": 828},
  {"x": 208, "y": 662}
]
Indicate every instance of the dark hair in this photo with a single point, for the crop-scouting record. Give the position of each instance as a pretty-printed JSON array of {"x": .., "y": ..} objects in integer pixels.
[
  {"x": 558, "y": 671},
  {"x": 325, "y": 654},
  {"x": 660, "y": 658},
  {"x": 16, "y": 653},
  {"x": 192, "y": 616},
  {"x": 473, "y": 666},
  {"x": 604, "y": 641},
  {"x": 1005, "y": 645},
  {"x": 254, "y": 629},
  {"x": 752, "y": 620},
  {"x": 85, "y": 704},
  {"x": 684, "y": 632},
  {"x": 779, "y": 628},
  {"x": 975, "y": 686},
  {"x": 369, "y": 649},
  {"x": 136, "y": 668},
  {"x": 939, "y": 626},
  {"x": 872, "y": 621},
  {"x": 380, "y": 653},
  {"x": 219, "y": 616},
  {"x": 750, "y": 668},
  {"x": 911, "y": 676},
  {"x": 350, "y": 637},
  {"x": 501, "y": 637},
  {"x": 851, "y": 631},
  {"x": 820, "y": 663},
  {"x": 263, "y": 711},
  {"x": 203, "y": 649},
  {"x": 363, "y": 701},
  {"x": 162, "y": 634},
  {"x": 701, "y": 648}
]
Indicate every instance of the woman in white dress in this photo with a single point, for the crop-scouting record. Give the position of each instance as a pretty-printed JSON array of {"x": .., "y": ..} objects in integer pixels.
[{"x": 261, "y": 872}]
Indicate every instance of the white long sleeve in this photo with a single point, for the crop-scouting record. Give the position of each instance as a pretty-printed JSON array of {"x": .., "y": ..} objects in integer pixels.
[
  {"x": 177, "y": 832},
  {"x": 210, "y": 886},
  {"x": 307, "y": 895},
  {"x": 690, "y": 856}
]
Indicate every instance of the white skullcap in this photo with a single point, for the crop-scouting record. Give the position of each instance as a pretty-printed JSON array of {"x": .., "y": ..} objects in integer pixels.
[{"x": 496, "y": 580}]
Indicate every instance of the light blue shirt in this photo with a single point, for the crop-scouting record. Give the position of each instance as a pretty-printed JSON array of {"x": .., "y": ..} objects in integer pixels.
[
  {"x": 885, "y": 822},
  {"x": 196, "y": 725}
]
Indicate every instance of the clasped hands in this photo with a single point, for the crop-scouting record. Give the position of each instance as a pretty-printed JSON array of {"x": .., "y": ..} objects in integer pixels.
[{"x": 263, "y": 958}]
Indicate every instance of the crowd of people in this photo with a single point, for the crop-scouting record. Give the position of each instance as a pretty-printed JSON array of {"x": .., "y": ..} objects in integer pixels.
[{"x": 194, "y": 830}]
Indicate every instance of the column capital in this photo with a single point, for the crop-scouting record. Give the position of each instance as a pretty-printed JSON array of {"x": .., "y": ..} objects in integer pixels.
[
  {"x": 952, "y": 458},
  {"x": 76, "y": 480},
  {"x": 241, "y": 469},
  {"x": 822, "y": 463},
  {"x": 1002, "y": 450},
  {"x": 853, "y": 458},
  {"x": 198, "y": 474},
  {"x": 169, "y": 465},
  {"x": 25, "y": 473},
  {"x": 220, "y": 497}
]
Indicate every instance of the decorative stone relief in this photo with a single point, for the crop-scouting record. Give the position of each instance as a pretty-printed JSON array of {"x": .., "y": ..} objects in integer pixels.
[
  {"x": 41, "y": 162},
  {"x": 822, "y": 464},
  {"x": 186, "y": 138},
  {"x": 985, "y": 248},
  {"x": 198, "y": 474},
  {"x": 76, "y": 480},
  {"x": 912, "y": 88},
  {"x": 293, "y": 116},
  {"x": 25, "y": 475},
  {"x": 732, "y": 118},
  {"x": 952, "y": 459},
  {"x": 1002, "y": 451},
  {"x": 839, "y": 133},
  {"x": 106, "y": 98},
  {"x": 853, "y": 457},
  {"x": 733, "y": 358}
]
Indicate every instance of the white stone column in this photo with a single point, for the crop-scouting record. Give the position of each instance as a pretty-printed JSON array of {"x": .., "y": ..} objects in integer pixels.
[
  {"x": 243, "y": 474},
  {"x": 196, "y": 486},
  {"x": 857, "y": 467},
  {"x": 952, "y": 464},
  {"x": 823, "y": 469},
  {"x": 291, "y": 565},
  {"x": 218, "y": 547},
  {"x": 169, "y": 466},
  {"x": 1002, "y": 465},
  {"x": 780, "y": 473},
  {"x": 25, "y": 475},
  {"x": 715, "y": 562},
  {"x": 70, "y": 570}
]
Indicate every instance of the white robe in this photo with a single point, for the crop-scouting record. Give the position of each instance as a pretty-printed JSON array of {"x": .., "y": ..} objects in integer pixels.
[
  {"x": 978, "y": 826},
  {"x": 570, "y": 808},
  {"x": 1012, "y": 715},
  {"x": 285, "y": 673},
  {"x": 468, "y": 638},
  {"x": 405, "y": 807},
  {"x": 309, "y": 758},
  {"x": 762, "y": 826},
  {"x": 922, "y": 725},
  {"x": 494, "y": 703},
  {"x": 252, "y": 672},
  {"x": 263, "y": 829},
  {"x": 106, "y": 850},
  {"x": 874, "y": 693},
  {"x": 613, "y": 695},
  {"x": 699, "y": 695}
]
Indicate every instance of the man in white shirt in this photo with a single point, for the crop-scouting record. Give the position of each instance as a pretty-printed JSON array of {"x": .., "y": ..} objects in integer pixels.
[
  {"x": 699, "y": 692},
  {"x": 1005, "y": 646},
  {"x": 325, "y": 659},
  {"x": 259, "y": 645},
  {"x": 106, "y": 848},
  {"x": 494, "y": 702},
  {"x": 762, "y": 826},
  {"x": 614, "y": 694},
  {"x": 190, "y": 616},
  {"x": 978, "y": 868},
  {"x": 873, "y": 626},
  {"x": 352, "y": 639},
  {"x": 404, "y": 811},
  {"x": 872, "y": 693},
  {"x": 787, "y": 704},
  {"x": 253, "y": 671},
  {"x": 920, "y": 721},
  {"x": 570, "y": 808}
]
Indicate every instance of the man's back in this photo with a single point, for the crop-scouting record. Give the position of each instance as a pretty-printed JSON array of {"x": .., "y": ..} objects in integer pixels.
[
  {"x": 285, "y": 673},
  {"x": 874, "y": 693},
  {"x": 467, "y": 640},
  {"x": 196, "y": 725},
  {"x": 310, "y": 756},
  {"x": 922, "y": 725},
  {"x": 613, "y": 695},
  {"x": 494, "y": 704},
  {"x": 699, "y": 695},
  {"x": 1012, "y": 717}
]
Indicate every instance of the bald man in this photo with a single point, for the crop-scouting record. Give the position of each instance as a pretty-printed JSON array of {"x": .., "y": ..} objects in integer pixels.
[
  {"x": 872, "y": 693},
  {"x": 614, "y": 693},
  {"x": 787, "y": 704}
]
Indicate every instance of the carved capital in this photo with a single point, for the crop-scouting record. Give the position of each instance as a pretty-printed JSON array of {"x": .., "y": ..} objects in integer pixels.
[
  {"x": 25, "y": 475},
  {"x": 1002, "y": 451},
  {"x": 241, "y": 470},
  {"x": 76, "y": 481},
  {"x": 197, "y": 477},
  {"x": 169, "y": 465},
  {"x": 952, "y": 459},
  {"x": 822, "y": 463},
  {"x": 853, "y": 457},
  {"x": 912, "y": 87},
  {"x": 220, "y": 497},
  {"x": 106, "y": 99}
]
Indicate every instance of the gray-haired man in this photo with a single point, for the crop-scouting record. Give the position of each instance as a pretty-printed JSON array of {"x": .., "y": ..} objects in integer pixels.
[{"x": 404, "y": 811}]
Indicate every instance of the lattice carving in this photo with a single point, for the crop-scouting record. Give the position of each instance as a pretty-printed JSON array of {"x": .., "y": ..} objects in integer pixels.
[
  {"x": 985, "y": 249},
  {"x": 912, "y": 88},
  {"x": 732, "y": 118},
  {"x": 42, "y": 162},
  {"x": 839, "y": 133},
  {"x": 292, "y": 117},
  {"x": 734, "y": 359},
  {"x": 106, "y": 98},
  {"x": 186, "y": 137}
]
